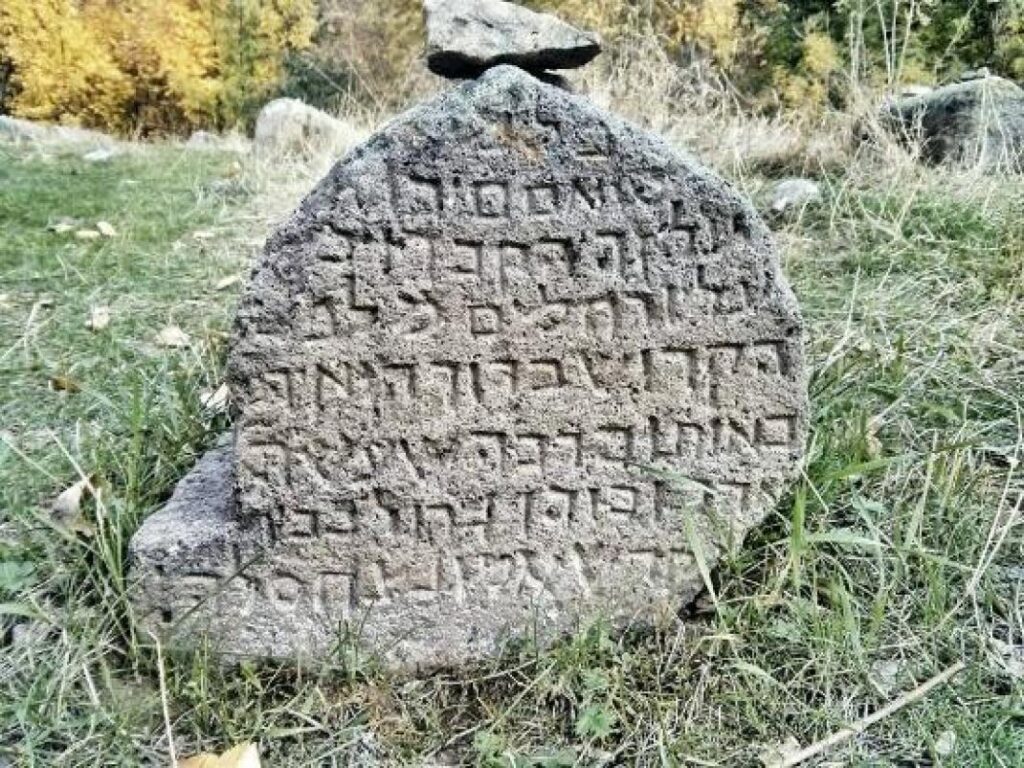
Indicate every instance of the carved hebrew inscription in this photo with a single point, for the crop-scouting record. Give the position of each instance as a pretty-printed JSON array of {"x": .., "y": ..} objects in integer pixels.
[{"x": 487, "y": 372}]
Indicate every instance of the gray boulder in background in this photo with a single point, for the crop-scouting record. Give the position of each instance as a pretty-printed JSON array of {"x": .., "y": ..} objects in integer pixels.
[
  {"x": 975, "y": 122},
  {"x": 466, "y": 37},
  {"x": 289, "y": 127}
]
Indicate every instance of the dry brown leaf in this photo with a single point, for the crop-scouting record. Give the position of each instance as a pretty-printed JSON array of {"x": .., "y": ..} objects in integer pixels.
[
  {"x": 242, "y": 756},
  {"x": 215, "y": 400},
  {"x": 172, "y": 336},
  {"x": 87, "y": 234},
  {"x": 99, "y": 319},
  {"x": 226, "y": 282},
  {"x": 106, "y": 229},
  {"x": 64, "y": 383},
  {"x": 67, "y": 507}
]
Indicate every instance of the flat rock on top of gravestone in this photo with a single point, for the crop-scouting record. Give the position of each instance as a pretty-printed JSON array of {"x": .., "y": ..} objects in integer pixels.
[
  {"x": 496, "y": 375},
  {"x": 465, "y": 37}
]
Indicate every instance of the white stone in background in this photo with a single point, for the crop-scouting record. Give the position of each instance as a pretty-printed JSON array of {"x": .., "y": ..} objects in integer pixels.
[
  {"x": 290, "y": 128},
  {"x": 793, "y": 193}
]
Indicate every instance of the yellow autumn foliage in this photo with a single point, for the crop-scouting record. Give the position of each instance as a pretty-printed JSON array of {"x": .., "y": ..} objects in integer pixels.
[
  {"x": 807, "y": 88},
  {"x": 64, "y": 69},
  {"x": 147, "y": 65}
]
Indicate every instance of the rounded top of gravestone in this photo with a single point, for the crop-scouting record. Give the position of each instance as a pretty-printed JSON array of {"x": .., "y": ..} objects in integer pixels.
[{"x": 467, "y": 37}]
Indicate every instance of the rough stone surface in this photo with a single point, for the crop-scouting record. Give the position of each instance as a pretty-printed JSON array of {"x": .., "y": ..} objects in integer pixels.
[
  {"x": 465, "y": 37},
  {"x": 501, "y": 370},
  {"x": 292, "y": 128},
  {"x": 976, "y": 122}
]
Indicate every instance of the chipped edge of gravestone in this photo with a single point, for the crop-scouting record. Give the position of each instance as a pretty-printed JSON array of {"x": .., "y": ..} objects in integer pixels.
[{"x": 197, "y": 520}]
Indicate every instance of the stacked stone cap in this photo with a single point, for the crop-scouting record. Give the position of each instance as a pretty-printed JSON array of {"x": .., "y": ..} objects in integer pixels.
[{"x": 467, "y": 37}]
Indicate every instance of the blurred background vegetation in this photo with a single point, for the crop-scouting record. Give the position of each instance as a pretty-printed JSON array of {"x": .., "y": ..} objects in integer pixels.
[{"x": 157, "y": 67}]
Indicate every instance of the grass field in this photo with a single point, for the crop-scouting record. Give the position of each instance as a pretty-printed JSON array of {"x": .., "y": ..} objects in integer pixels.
[{"x": 898, "y": 554}]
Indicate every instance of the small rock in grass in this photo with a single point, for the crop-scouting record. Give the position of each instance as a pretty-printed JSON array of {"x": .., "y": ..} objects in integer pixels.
[
  {"x": 215, "y": 400},
  {"x": 27, "y": 634},
  {"x": 172, "y": 336},
  {"x": 773, "y": 755},
  {"x": 99, "y": 319},
  {"x": 106, "y": 229},
  {"x": 885, "y": 675},
  {"x": 945, "y": 743},
  {"x": 793, "y": 193}
]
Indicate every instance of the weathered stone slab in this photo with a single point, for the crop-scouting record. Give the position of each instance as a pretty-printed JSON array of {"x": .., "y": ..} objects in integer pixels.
[
  {"x": 465, "y": 37},
  {"x": 501, "y": 370},
  {"x": 977, "y": 122}
]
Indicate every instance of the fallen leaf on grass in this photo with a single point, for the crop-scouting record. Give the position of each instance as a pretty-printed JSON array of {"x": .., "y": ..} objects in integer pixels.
[
  {"x": 215, "y": 400},
  {"x": 106, "y": 229},
  {"x": 242, "y": 756},
  {"x": 87, "y": 234},
  {"x": 67, "y": 507},
  {"x": 773, "y": 755},
  {"x": 64, "y": 383},
  {"x": 172, "y": 336},
  {"x": 99, "y": 319},
  {"x": 226, "y": 282}
]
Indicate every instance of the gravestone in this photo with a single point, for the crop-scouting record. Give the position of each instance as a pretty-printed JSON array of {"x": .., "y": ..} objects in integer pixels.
[{"x": 513, "y": 365}]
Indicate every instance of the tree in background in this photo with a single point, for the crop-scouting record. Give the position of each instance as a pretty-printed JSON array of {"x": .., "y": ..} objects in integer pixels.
[
  {"x": 254, "y": 39},
  {"x": 148, "y": 66},
  {"x": 59, "y": 64},
  {"x": 158, "y": 66},
  {"x": 166, "y": 51}
]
